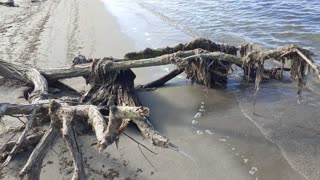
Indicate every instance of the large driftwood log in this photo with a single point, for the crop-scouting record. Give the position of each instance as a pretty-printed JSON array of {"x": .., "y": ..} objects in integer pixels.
[
  {"x": 62, "y": 117},
  {"x": 111, "y": 101}
]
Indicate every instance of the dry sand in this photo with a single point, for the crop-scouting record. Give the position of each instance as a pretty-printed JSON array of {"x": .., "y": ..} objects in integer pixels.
[{"x": 221, "y": 144}]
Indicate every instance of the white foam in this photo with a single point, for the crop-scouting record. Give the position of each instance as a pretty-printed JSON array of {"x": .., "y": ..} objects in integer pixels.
[
  {"x": 198, "y": 115},
  {"x": 146, "y": 34},
  {"x": 209, "y": 132},
  {"x": 233, "y": 149},
  {"x": 194, "y": 122},
  {"x": 202, "y": 107},
  {"x": 253, "y": 170},
  {"x": 245, "y": 160},
  {"x": 199, "y": 132},
  {"x": 166, "y": 69},
  {"x": 223, "y": 140}
]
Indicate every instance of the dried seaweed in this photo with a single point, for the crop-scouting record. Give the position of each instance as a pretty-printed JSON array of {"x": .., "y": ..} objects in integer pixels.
[{"x": 201, "y": 43}]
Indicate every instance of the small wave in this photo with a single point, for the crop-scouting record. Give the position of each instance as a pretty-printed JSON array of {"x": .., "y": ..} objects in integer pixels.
[{"x": 171, "y": 22}]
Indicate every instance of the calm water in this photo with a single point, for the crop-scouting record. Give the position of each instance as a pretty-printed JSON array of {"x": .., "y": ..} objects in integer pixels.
[
  {"x": 269, "y": 23},
  {"x": 293, "y": 128}
]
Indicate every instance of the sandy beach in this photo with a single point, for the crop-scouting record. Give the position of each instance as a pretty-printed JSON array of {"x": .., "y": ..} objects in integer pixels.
[{"x": 226, "y": 141}]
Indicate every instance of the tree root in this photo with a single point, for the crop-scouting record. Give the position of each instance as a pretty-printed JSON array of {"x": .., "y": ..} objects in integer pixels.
[
  {"x": 111, "y": 102},
  {"x": 18, "y": 144},
  {"x": 32, "y": 167},
  {"x": 161, "y": 81},
  {"x": 70, "y": 138},
  {"x": 30, "y": 141}
]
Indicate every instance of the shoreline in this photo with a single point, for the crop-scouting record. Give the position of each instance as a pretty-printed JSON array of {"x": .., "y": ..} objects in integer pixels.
[{"x": 92, "y": 31}]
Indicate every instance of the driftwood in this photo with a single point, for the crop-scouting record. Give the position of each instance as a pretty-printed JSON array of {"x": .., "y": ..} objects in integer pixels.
[
  {"x": 9, "y": 3},
  {"x": 111, "y": 102}
]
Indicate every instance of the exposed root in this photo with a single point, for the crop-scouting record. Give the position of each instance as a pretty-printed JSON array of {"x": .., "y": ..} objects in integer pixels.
[
  {"x": 29, "y": 142},
  {"x": 71, "y": 140},
  {"x": 121, "y": 85},
  {"x": 18, "y": 144},
  {"x": 32, "y": 168},
  {"x": 111, "y": 102},
  {"x": 253, "y": 62},
  {"x": 149, "y": 132},
  {"x": 161, "y": 81}
]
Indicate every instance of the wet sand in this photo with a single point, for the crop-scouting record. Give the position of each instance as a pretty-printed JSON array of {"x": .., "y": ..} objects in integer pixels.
[{"x": 215, "y": 128}]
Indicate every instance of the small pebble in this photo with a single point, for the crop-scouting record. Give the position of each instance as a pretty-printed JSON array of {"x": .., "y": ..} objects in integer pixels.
[{"x": 233, "y": 149}]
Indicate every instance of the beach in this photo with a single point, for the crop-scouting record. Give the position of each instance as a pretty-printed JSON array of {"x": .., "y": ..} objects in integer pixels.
[{"x": 216, "y": 130}]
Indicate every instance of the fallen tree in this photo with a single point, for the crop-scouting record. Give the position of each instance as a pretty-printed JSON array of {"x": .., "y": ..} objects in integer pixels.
[{"x": 111, "y": 102}]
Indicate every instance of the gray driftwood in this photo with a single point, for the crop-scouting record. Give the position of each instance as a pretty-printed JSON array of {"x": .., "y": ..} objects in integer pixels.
[{"x": 111, "y": 102}]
